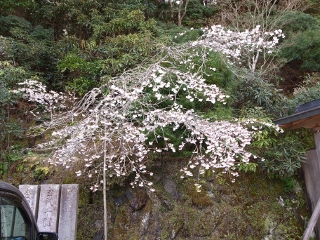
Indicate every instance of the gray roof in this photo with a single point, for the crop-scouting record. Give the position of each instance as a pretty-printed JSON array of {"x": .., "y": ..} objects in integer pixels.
[{"x": 306, "y": 115}]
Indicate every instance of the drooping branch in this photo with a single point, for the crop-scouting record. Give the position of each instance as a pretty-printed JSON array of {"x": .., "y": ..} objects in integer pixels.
[{"x": 128, "y": 116}]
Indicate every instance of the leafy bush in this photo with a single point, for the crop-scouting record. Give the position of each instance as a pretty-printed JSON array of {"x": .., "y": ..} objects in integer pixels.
[
  {"x": 255, "y": 91},
  {"x": 9, "y": 126},
  {"x": 197, "y": 14},
  {"x": 280, "y": 154},
  {"x": 293, "y": 22},
  {"x": 307, "y": 92},
  {"x": 179, "y": 34},
  {"x": 305, "y": 48},
  {"x": 8, "y": 6},
  {"x": 31, "y": 47},
  {"x": 84, "y": 66},
  {"x": 14, "y": 26},
  {"x": 9, "y": 157},
  {"x": 284, "y": 157},
  {"x": 302, "y": 43}
]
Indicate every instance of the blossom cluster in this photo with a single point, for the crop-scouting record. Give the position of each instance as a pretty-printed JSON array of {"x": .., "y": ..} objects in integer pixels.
[
  {"x": 36, "y": 92},
  {"x": 240, "y": 47},
  {"x": 217, "y": 145}
]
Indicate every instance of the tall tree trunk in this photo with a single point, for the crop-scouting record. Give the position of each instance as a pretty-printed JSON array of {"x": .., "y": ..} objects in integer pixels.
[
  {"x": 179, "y": 13},
  {"x": 182, "y": 13},
  {"x": 171, "y": 10}
]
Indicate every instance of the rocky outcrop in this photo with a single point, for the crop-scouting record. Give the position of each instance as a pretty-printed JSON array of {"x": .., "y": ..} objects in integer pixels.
[{"x": 246, "y": 209}]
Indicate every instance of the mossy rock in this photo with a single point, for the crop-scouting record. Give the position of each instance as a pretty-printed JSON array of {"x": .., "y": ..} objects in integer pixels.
[{"x": 199, "y": 199}]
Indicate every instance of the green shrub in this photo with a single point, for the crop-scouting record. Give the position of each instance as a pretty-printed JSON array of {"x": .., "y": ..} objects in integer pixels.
[
  {"x": 282, "y": 154},
  {"x": 293, "y": 22},
  {"x": 302, "y": 43},
  {"x": 11, "y": 125},
  {"x": 197, "y": 14},
  {"x": 305, "y": 48},
  {"x": 8, "y": 6},
  {"x": 307, "y": 92},
  {"x": 12, "y": 155},
  {"x": 14, "y": 26},
  {"x": 255, "y": 91}
]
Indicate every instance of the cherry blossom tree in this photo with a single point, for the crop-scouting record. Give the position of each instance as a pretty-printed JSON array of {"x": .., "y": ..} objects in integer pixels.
[
  {"x": 122, "y": 121},
  {"x": 115, "y": 127}
]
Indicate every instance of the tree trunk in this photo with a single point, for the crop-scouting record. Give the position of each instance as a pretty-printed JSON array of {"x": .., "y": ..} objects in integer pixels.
[
  {"x": 180, "y": 7},
  {"x": 171, "y": 10}
]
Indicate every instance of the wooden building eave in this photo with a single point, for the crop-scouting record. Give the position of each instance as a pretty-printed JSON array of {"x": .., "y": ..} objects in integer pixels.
[{"x": 307, "y": 119}]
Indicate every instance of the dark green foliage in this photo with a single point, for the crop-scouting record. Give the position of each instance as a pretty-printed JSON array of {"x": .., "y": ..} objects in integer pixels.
[
  {"x": 11, "y": 125},
  {"x": 11, "y": 156},
  {"x": 116, "y": 37},
  {"x": 111, "y": 57},
  {"x": 218, "y": 72},
  {"x": 307, "y": 92},
  {"x": 10, "y": 130},
  {"x": 7, "y": 6},
  {"x": 293, "y": 22},
  {"x": 81, "y": 73},
  {"x": 282, "y": 153},
  {"x": 14, "y": 26},
  {"x": 302, "y": 42},
  {"x": 9, "y": 77},
  {"x": 76, "y": 62},
  {"x": 31, "y": 47},
  {"x": 143, "y": 5},
  {"x": 122, "y": 22},
  {"x": 125, "y": 51},
  {"x": 255, "y": 91},
  {"x": 39, "y": 33},
  {"x": 285, "y": 156},
  {"x": 220, "y": 112},
  {"x": 305, "y": 48},
  {"x": 167, "y": 135},
  {"x": 197, "y": 14},
  {"x": 288, "y": 184},
  {"x": 182, "y": 35},
  {"x": 84, "y": 18},
  {"x": 174, "y": 32},
  {"x": 74, "y": 16}
]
